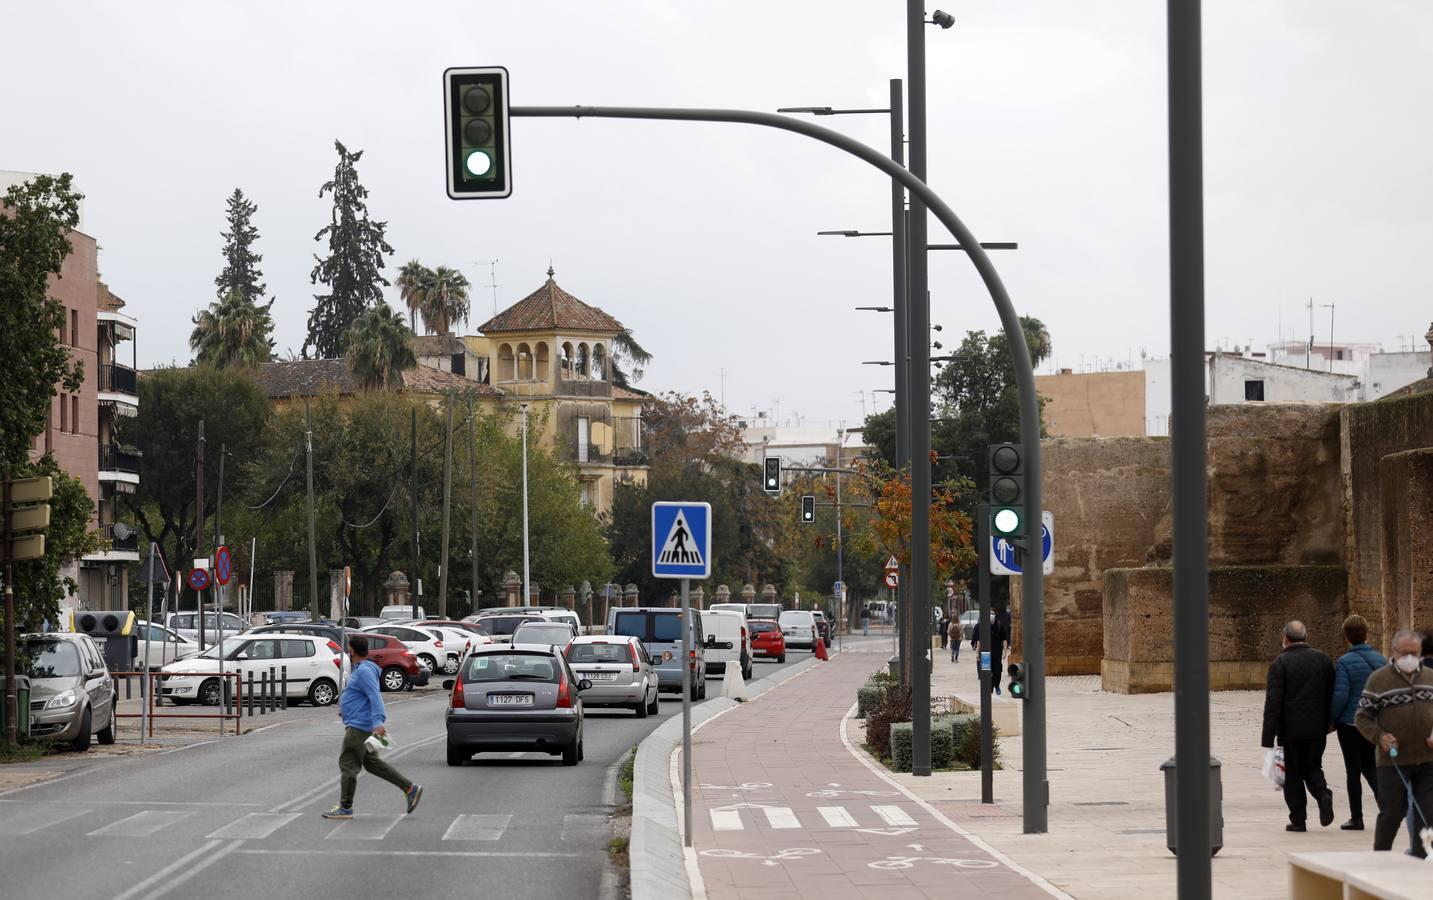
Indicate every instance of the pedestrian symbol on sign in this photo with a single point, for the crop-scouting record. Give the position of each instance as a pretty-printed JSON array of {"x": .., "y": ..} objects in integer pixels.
[{"x": 679, "y": 548}]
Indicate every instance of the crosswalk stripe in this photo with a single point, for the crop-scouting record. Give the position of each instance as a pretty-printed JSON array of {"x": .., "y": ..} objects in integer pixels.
[
  {"x": 781, "y": 817},
  {"x": 142, "y": 824},
  {"x": 582, "y": 826},
  {"x": 893, "y": 815},
  {"x": 254, "y": 826},
  {"x": 477, "y": 828},
  {"x": 366, "y": 828},
  {"x": 726, "y": 820},
  {"x": 836, "y": 816},
  {"x": 27, "y": 821}
]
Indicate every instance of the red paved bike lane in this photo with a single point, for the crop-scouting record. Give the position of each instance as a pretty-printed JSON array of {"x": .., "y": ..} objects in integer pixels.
[{"x": 782, "y": 809}]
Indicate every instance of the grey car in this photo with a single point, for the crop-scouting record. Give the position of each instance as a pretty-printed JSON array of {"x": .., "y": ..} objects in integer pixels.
[
  {"x": 515, "y": 699},
  {"x": 660, "y": 631},
  {"x": 551, "y": 633},
  {"x": 620, "y": 670},
  {"x": 72, "y": 695}
]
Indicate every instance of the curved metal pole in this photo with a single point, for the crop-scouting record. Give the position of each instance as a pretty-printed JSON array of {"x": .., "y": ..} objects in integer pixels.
[{"x": 1033, "y": 581}]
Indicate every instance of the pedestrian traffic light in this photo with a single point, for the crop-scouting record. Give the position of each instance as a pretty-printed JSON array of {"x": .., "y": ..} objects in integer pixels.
[
  {"x": 1007, "y": 492},
  {"x": 1017, "y": 681},
  {"x": 771, "y": 477},
  {"x": 808, "y": 509},
  {"x": 476, "y": 103}
]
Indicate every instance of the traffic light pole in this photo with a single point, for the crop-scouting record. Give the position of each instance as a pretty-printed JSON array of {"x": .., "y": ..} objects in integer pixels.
[
  {"x": 899, "y": 305},
  {"x": 982, "y": 585}
]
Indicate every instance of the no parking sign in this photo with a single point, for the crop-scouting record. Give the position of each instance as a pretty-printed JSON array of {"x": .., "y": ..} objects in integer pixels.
[{"x": 223, "y": 565}]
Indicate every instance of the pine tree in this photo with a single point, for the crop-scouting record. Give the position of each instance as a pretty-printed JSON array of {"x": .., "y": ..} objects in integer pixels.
[
  {"x": 241, "y": 264},
  {"x": 353, "y": 269}
]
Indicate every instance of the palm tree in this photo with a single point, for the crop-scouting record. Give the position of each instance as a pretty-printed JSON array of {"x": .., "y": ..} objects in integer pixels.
[
  {"x": 1037, "y": 338},
  {"x": 233, "y": 332},
  {"x": 411, "y": 279},
  {"x": 444, "y": 299},
  {"x": 624, "y": 349},
  {"x": 378, "y": 348}
]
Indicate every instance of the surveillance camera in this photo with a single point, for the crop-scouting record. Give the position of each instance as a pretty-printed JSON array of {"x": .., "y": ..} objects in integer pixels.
[{"x": 943, "y": 19}]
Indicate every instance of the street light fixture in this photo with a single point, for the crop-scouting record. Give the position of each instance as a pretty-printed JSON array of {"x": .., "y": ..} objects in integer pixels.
[
  {"x": 877, "y": 308},
  {"x": 877, "y": 362},
  {"x": 941, "y": 18},
  {"x": 852, "y": 232}
]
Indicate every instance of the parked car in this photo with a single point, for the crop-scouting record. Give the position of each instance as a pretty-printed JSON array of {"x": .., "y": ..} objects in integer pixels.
[
  {"x": 515, "y": 699},
  {"x": 187, "y": 624},
  {"x": 400, "y": 668},
  {"x": 557, "y": 634},
  {"x": 405, "y": 611},
  {"x": 457, "y": 643},
  {"x": 730, "y": 607},
  {"x": 284, "y": 617},
  {"x": 767, "y": 640},
  {"x": 354, "y": 623},
  {"x": 798, "y": 626},
  {"x": 621, "y": 672},
  {"x": 72, "y": 695},
  {"x": 502, "y": 627},
  {"x": 311, "y": 663},
  {"x": 660, "y": 630},
  {"x": 727, "y": 640},
  {"x": 425, "y": 643},
  {"x": 551, "y": 613},
  {"x": 469, "y": 627},
  {"x": 165, "y": 644}
]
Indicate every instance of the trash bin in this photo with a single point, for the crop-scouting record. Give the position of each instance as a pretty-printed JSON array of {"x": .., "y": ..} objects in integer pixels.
[
  {"x": 22, "y": 701},
  {"x": 1216, "y": 806},
  {"x": 894, "y": 665}
]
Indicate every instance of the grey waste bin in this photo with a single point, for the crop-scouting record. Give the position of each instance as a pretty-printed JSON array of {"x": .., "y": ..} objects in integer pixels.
[{"x": 1216, "y": 807}]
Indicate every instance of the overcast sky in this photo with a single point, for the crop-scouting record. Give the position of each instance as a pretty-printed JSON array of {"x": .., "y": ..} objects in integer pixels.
[{"x": 1047, "y": 127}]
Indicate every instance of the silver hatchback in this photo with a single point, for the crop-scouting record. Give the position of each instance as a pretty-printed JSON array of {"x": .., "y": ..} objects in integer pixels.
[
  {"x": 72, "y": 695},
  {"x": 515, "y": 699},
  {"x": 621, "y": 672}
]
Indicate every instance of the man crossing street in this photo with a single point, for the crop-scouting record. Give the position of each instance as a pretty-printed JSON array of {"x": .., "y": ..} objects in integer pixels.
[{"x": 361, "y": 708}]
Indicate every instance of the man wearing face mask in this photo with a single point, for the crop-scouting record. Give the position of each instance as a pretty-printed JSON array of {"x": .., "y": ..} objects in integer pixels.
[{"x": 1395, "y": 712}]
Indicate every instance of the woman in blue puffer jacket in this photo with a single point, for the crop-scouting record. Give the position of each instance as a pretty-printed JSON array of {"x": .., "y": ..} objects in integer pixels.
[{"x": 1350, "y": 672}]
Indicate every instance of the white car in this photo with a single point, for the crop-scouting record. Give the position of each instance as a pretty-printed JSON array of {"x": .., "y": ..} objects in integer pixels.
[
  {"x": 426, "y": 643},
  {"x": 187, "y": 624},
  {"x": 311, "y": 663},
  {"x": 728, "y": 639},
  {"x": 798, "y": 627},
  {"x": 400, "y": 612},
  {"x": 165, "y": 645},
  {"x": 457, "y": 644},
  {"x": 730, "y": 607}
]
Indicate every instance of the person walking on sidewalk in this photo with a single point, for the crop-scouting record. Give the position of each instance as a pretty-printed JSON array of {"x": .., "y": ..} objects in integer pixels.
[
  {"x": 953, "y": 634},
  {"x": 361, "y": 709},
  {"x": 944, "y": 626},
  {"x": 999, "y": 641},
  {"x": 1395, "y": 712},
  {"x": 1350, "y": 673},
  {"x": 1296, "y": 713}
]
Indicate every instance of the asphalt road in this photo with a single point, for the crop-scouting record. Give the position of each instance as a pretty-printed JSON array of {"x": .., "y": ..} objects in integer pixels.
[{"x": 239, "y": 817}]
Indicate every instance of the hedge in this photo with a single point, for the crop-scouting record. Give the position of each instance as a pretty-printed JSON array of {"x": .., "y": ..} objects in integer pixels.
[{"x": 942, "y": 747}]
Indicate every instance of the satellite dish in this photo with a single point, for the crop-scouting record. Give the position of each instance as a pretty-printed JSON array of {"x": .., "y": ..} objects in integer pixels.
[{"x": 122, "y": 532}]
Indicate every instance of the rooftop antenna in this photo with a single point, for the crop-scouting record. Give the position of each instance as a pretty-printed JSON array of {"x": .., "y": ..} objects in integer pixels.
[{"x": 492, "y": 265}]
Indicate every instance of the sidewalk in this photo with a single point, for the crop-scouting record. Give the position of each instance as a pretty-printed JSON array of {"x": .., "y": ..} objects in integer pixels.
[
  {"x": 1107, "y": 828},
  {"x": 783, "y": 809}
]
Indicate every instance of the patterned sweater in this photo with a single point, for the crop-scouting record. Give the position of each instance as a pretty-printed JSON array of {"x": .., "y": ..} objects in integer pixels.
[{"x": 1394, "y": 704}]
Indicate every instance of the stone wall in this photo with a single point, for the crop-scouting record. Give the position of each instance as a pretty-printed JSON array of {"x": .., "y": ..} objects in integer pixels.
[
  {"x": 1406, "y": 499},
  {"x": 1248, "y": 606}
]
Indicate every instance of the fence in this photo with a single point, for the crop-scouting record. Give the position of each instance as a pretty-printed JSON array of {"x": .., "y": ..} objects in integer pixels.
[{"x": 247, "y": 696}]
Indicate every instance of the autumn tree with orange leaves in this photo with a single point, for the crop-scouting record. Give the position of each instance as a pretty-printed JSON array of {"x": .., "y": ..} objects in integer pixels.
[{"x": 952, "y": 550}]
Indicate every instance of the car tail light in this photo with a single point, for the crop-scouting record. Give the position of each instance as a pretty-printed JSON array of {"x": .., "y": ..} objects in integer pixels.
[
  {"x": 457, "y": 701},
  {"x": 334, "y": 647},
  {"x": 632, "y": 648},
  {"x": 438, "y": 644},
  {"x": 564, "y": 694}
]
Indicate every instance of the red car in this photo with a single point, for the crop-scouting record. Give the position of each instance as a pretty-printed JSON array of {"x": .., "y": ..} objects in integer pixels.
[
  {"x": 766, "y": 640},
  {"x": 398, "y": 666}
]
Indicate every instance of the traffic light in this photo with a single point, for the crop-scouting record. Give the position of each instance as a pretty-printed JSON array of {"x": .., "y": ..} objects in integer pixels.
[
  {"x": 1007, "y": 491},
  {"x": 808, "y": 509},
  {"x": 1017, "y": 681},
  {"x": 771, "y": 477},
  {"x": 27, "y": 515},
  {"x": 479, "y": 149}
]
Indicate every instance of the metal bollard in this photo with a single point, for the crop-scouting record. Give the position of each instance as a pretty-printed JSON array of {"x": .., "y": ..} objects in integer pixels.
[
  {"x": 284, "y": 691},
  {"x": 273, "y": 690},
  {"x": 249, "y": 694},
  {"x": 227, "y": 690},
  {"x": 263, "y": 693}
]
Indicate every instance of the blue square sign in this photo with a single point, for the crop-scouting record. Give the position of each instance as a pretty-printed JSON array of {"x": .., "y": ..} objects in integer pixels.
[{"x": 681, "y": 540}]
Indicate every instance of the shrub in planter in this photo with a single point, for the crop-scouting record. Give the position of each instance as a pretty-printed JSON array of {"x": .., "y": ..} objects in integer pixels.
[
  {"x": 967, "y": 744},
  {"x": 894, "y": 707},
  {"x": 942, "y": 747},
  {"x": 868, "y": 697},
  {"x": 901, "y": 746}
]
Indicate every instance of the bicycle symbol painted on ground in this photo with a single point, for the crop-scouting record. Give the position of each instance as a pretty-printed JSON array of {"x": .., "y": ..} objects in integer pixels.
[
  {"x": 909, "y": 862},
  {"x": 832, "y": 794},
  {"x": 744, "y": 786},
  {"x": 779, "y": 857}
]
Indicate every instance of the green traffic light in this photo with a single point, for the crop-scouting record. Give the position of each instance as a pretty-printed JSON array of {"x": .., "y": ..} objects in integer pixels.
[
  {"x": 1007, "y": 521},
  {"x": 478, "y": 163}
]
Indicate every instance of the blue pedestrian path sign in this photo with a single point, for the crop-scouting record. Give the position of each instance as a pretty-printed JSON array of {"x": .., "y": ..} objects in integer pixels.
[
  {"x": 1007, "y": 559},
  {"x": 681, "y": 540}
]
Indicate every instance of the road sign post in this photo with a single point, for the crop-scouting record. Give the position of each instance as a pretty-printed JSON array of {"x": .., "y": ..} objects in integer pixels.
[{"x": 986, "y": 660}]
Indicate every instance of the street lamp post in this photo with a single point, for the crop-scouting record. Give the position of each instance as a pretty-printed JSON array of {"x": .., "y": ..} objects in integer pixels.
[{"x": 526, "y": 563}]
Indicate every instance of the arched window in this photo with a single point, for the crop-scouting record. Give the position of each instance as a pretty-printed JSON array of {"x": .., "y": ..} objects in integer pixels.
[
  {"x": 544, "y": 363},
  {"x": 566, "y": 359},
  {"x": 583, "y": 359},
  {"x": 507, "y": 370},
  {"x": 599, "y": 363},
  {"x": 524, "y": 362}
]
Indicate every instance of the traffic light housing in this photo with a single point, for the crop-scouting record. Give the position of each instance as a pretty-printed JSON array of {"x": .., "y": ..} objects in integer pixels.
[
  {"x": 771, "y": 475},
  {"x": 479, "y": 149},
  {"x": 27, "y": 516},
  {"x": 1007, "y": 492},
  {"x": 808, "y": 509},
  {"x": 1018, "y": 687}
]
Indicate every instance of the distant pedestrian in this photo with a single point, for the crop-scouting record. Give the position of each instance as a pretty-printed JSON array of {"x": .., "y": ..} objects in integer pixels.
[
  {"x": 1395, "y": 712},
  {"x": 361, "y": 709},
  {"x": 1296, "y": 713},
  {"x": 999, "y": 643},
  {"x": 866, "y": 620},
  {"x": 944, "y": 630},
  {"x": 953, "y": 634},
  {"x": 1350, "y": 673}
]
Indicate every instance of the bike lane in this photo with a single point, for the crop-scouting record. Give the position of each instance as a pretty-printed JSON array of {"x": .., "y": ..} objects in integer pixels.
[{"x": 782, "y": 808}]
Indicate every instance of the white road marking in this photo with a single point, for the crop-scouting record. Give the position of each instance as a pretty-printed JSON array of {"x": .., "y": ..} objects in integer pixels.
[
  {"x": 364, "y": 828},
  {"x": 483, "y": 854},
  {"x": 582, "y": 826},
  {"x": 141, "y": 824},
  {"x": 254, "y": 826},
  {"x": 211, "y": 850},
  {"x": 477, "y": 828},
  {"x": 781, "y": 817},
  {"x": 836, "y": 816},
  {"x": 893, "y": 815},
  {"x": 28, "y": 821},
  {"x": 726, "y": 820}
]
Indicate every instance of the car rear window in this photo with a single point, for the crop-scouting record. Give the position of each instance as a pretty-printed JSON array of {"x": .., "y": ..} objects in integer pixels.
[
  {"x": 763, "y": 627},
  {"x": 506, "y": 624},
  {"x": 602, "y": 652},
  {"x": 488, "y": 667},
  {"x": 650, "y": 627}
]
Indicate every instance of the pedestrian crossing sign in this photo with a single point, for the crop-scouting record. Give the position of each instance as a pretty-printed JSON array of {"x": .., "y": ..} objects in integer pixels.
[{"x": 681, "y": 540}]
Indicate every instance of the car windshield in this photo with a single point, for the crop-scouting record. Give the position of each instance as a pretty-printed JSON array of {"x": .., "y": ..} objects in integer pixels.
[
  {"x": 231, "y": 648},
  {"x": 506, "y": 624},
  {"x": 51, "y": 658},
  {"x": 650, "y": 627},
  {"x": 600, "y": 653},
  {"x": 489, "y": 667},
  {"x": 542, "y": 634}
]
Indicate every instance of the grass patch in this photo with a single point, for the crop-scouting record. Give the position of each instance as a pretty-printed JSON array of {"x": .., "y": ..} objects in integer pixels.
[
  {"x": 625, "y": 775},
  {"x": 22, "y": 753},
  {"x": 617, "y": 847}
]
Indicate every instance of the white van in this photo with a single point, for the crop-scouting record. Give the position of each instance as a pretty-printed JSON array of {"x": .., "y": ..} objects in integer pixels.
[
  {"x": 401, "y": 612},
  {"x": 730, "y": 607},
  {"x": 798, "y": 626},
  {"x": 727, "y": 640}
]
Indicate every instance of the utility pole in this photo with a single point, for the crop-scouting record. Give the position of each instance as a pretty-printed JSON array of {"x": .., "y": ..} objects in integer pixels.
[
  {"x": 1331, "y": 307},
  {"x": 473, "y": 511},
  {"x": 199, "y": 523},
  {"x": 900, "y": 302},
  {"x": 220, "y": 589},
  {"x": 312, "y": 544},
  {"x": 447, "y": 508},
  {"x": 413, "y": 597}
]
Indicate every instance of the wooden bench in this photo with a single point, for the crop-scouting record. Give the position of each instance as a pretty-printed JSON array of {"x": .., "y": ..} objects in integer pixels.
[{"x": 1362, "y": 875}]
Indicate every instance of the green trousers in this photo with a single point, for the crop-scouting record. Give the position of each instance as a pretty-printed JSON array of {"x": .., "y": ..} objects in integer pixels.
[{"x": 354, "y": 756}]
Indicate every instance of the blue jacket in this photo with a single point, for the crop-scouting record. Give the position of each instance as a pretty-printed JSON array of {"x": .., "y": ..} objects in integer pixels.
[
  {"x": 1350, "y": 672},
  {"x": 361, "y": 707}
]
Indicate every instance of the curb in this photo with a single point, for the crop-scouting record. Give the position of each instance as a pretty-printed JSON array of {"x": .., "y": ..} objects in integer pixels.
[{"x": 655, "y": 852}]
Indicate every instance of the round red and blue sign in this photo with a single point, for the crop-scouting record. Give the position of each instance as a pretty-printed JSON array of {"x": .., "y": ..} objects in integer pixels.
[
  {"x": 198, "y": 579},
  {"x": 223, "y": 565}
]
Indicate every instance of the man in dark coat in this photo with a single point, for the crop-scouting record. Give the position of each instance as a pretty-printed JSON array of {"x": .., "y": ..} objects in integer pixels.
[{"x": 1296, "y": 713}]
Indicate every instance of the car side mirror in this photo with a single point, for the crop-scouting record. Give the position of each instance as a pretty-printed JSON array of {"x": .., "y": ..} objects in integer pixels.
[
  {"x": 448, "y": 683},
  {"x": 584, "y": 685}
]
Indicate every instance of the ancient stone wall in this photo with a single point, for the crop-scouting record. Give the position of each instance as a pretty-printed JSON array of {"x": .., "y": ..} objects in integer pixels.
[{"x": 1406, "y": 498}]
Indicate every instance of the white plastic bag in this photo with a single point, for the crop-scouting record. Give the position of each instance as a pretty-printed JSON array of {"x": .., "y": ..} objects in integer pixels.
[
  {"x": 381, "y": 745},
  {"x": 1274, "y": 766}
]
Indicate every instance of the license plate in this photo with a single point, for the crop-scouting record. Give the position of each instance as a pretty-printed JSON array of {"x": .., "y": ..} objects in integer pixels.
[
  {"x": 603, "y": 676},
  {"x": 510, "y": 700}
]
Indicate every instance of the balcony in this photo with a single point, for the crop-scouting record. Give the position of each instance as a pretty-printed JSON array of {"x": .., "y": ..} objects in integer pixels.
[
  {"x": 630, "y": 456},
  {"x": 118, "y": 549},
  {"x": 575, "y": 387},
  {"x": 119, "y": 463},
  {"x": 117, "y": 379}
]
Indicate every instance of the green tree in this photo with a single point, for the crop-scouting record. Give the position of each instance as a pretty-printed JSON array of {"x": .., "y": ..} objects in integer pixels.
[
  {"x": 241, "y": 264},
  {"x": 353, "y": 268},
  {"x": 378, "y": 348},
  {"x": 233, "y": 332},
  {"x": 444, "y": 299},
  {"x": 34, "y": 241},
  {"x": 40, "y": 584},
  {"x": 626, "y": 352},
  {"x": 411, "y": 281}
]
